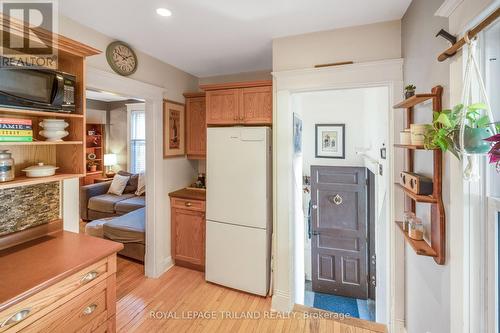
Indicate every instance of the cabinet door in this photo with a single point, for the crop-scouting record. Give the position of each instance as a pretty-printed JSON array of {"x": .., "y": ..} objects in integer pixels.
[
  {"x": 188, "y": 235},
  {"x": 223, "y": 107},
  {"x": 196, "y": 136},
  {"x": 256, "y": 105}
]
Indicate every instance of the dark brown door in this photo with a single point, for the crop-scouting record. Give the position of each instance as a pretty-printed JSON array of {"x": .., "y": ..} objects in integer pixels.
[{"x": 339, "y": 231}]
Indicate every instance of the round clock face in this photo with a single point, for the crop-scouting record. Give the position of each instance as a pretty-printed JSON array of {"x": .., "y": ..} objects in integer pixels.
[{"x": 121, "y": 58}]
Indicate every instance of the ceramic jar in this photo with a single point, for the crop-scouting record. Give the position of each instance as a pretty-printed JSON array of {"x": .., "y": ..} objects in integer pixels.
[
  {"x": 405, "y": 137},
  {"x": 417, "y": 133},
  {"x": 54, "y": 129},
  {"x": 6, "y": 166}
]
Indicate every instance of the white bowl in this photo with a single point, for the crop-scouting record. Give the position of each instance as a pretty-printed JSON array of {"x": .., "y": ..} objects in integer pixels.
[
  {"x": 40, "y": 170},
  {"x": 54, "y": 135},
  {"x": 54, "y": 124}
]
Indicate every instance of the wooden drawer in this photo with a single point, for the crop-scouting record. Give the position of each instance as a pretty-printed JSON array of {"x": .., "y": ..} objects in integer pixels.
[
  {"x": 84, "y": 313},
  {"x": 188, "y": 204},
  {"x": 49, "y": 299}
]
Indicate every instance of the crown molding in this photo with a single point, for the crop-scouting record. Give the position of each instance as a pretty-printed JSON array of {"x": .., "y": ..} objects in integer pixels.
[{"x": 447, "y": 8}]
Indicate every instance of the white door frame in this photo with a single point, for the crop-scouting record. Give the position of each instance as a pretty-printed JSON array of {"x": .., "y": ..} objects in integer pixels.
[
  {"x": 154, "y": 263},
  {"x": 388, "y": 73}
]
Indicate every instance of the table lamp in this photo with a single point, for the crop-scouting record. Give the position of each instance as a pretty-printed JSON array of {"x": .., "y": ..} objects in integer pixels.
[{"x": 109, "y": 163}]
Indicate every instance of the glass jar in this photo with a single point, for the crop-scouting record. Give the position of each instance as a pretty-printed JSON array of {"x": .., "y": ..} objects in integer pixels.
[
  {"x": 6, "y": 166},
  {"x": 407, "y": 216},
  {"x": 416, "y": 231}
]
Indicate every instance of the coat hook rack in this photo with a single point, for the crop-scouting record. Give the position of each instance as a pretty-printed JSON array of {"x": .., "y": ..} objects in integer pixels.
[
  {"x": 446, "y": 35},
  {"x": 451, "y": 51}
]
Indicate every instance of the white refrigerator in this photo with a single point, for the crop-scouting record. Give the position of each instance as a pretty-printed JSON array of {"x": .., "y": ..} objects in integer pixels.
[{"x": 239, "y": 213}]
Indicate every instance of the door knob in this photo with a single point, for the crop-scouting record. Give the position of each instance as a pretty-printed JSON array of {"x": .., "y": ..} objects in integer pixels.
[{"x": 314, "y": 206}]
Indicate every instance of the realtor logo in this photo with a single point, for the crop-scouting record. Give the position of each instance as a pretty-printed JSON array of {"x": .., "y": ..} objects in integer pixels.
[{"x": 28, "y": 34}]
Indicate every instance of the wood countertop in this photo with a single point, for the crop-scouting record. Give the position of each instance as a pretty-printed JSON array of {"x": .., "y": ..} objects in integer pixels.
[
  {"x": 188, "y": 193},
  {"x": 33, "y": 266}
]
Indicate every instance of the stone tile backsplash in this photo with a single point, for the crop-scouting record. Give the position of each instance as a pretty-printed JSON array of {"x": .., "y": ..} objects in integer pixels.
[{"x": 28, "y": 206}]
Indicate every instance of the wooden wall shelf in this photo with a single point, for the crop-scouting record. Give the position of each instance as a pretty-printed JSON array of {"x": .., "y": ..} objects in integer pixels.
[
  {"x": 415, "y": 147},
  {"x": 417, "y": 197},
  {"x": 414, "y": 100},
  {"x": 39, "y": 113},
  {"x": 437, "y": 246},
  {"x": 420, "y": 246}
]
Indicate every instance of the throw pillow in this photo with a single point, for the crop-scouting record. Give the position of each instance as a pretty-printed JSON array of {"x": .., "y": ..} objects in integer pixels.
[
  {"x": 132, "y": 182},
  {"x": 141, "y": 184},
  {"x": 118, "y": 184}
]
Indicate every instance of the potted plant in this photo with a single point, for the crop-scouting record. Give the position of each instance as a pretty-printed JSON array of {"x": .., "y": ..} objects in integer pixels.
[
  {"x": 494, "y": 153},
  {"x": 445, "y": 130},
  {"x": 477, "y": 129},
  {"x": 92, "y": 166},
  {"x": 410, "y": 90}
]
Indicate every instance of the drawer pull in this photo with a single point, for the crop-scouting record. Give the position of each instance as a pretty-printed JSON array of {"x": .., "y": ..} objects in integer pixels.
[
  {"x": 16, "y": 317},
  {"x": 89, "y": 309},
  {"x": 89, "y": 277},
  {"x": 188, "y": 204}
]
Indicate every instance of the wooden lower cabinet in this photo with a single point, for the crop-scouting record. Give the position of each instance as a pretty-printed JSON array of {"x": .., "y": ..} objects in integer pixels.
[
  {"x": 188, "y": 233},
  {"x": 83, "y": 302}
]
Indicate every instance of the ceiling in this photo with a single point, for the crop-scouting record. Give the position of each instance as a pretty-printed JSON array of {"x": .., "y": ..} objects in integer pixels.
[{"x": 217, "y": 37}]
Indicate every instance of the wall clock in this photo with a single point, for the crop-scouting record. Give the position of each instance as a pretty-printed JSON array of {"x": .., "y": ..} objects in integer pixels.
[{"x": 121, "y": 58}]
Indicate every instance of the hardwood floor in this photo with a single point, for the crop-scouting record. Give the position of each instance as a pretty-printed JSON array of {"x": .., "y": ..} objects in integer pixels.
[{"x": 181, "y": 301}]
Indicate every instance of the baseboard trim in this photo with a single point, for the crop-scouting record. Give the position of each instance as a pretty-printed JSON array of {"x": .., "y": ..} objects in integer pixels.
[{"x": 281, "y": 301}]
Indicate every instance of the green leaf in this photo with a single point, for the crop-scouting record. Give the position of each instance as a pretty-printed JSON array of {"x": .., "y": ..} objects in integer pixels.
[
  {"x": 484, "y": 121},
  {"x": 443, "y": 119},
  {"x": 478, "y": 106},
  {"x": 442, "y": 144}
]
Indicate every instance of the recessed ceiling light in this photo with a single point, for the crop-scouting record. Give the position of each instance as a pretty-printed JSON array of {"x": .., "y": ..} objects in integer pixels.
[{"x": 163, "y": 12}]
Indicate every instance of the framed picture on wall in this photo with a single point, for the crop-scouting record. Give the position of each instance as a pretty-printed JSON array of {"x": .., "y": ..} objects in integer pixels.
[
  {"x": 297, "y": 134},
  {"x": 173, "y": 129},
  {"x": 330, "y": 141}
]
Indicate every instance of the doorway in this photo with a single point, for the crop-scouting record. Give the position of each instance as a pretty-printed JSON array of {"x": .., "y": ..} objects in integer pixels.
[
  {"x": 340, "y": 197},
  {"x": 112, "y": 193}
]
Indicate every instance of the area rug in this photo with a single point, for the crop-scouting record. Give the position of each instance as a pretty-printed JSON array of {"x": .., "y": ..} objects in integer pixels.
[{"x": 337, "y": 304}]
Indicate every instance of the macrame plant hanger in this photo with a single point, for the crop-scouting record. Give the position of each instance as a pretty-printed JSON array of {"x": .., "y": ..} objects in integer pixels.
[{"x": 472, "y": 75}]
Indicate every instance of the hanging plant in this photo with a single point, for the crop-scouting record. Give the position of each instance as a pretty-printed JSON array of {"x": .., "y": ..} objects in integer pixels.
[
  {"x": 477, "y": 129},
  {"x": 494, "y": 153}
]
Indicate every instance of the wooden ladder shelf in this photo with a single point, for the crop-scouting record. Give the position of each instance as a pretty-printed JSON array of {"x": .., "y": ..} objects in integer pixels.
[{"x": 437, "y": 246}]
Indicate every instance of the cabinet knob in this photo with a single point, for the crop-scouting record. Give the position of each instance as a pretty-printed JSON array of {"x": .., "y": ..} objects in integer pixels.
[
  {"x": 89, "y": 277},
  {"x": 188, "y": 204},
  {"x": 16, "y": 317},
  {"x": 89, "y": 309}
]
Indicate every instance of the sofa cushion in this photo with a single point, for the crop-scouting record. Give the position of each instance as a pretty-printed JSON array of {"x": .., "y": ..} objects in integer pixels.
[
  {"x": 129, "y": 205},
  {"x": 128, "y": 228},
  {"x": 106, "y": 203},
  {"x": 132, "y": 182},
  {"x": 94, "y": 228}
]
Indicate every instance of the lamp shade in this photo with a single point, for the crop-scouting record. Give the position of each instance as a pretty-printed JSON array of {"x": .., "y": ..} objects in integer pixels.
[{"x": 109, "y": 159}]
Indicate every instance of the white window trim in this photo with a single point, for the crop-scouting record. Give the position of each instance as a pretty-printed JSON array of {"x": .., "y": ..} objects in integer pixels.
[
  {"x": 491, "y": 260},
  {"x": 132, "y": 107}
]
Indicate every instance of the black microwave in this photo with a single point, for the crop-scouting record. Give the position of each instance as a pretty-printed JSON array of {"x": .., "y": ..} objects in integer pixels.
[{"x": 36, "y": 89}]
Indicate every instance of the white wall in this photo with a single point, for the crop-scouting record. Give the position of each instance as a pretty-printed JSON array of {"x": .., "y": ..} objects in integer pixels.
[
  {"x": 427, "y": 284},
  {"x": 371, "y": 42},
  {"x": 176, "y": 172}
]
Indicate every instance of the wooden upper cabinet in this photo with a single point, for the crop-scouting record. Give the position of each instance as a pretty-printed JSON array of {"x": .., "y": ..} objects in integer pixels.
[
  {"x": 243, "y": 103},
  {"x": 223, "y": 107},
  {"x": 196, "y": 126},
  {"x": 256, "y": 105}
]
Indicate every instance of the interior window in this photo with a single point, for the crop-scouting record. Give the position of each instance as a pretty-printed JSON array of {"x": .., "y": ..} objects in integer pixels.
[{"x": 137, "y": 141}]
